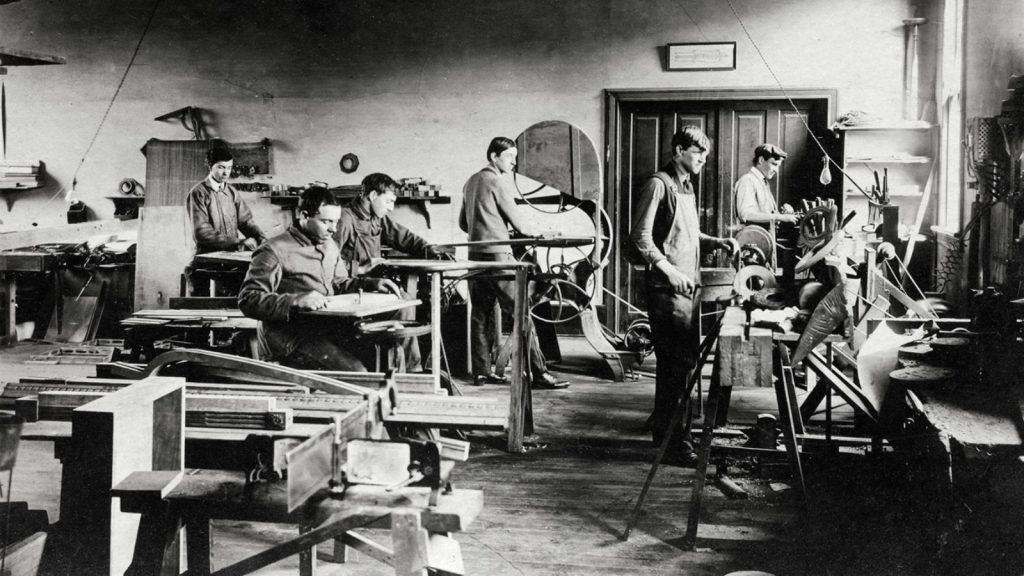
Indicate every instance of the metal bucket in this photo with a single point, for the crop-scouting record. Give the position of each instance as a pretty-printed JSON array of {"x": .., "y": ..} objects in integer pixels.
[{"x": 10, "y": 435}]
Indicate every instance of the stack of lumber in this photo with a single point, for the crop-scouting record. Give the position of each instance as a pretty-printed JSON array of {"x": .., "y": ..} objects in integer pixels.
[
  {"x": 19, "y": 175},
  {"x": 229, "y": 318}
]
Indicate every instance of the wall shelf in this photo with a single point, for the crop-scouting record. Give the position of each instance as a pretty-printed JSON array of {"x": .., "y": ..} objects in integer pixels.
[
  {"x": 899, "y": 154},
  {"x": 890, "y": 160},
  {"x": 417, "y": 203},
  {"x": 895, "y": 125}
]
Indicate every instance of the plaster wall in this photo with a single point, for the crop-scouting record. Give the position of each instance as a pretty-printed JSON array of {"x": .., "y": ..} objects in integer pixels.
[
  {"x": 995, "y": 51},
  {"x": 413, "y": 88}
]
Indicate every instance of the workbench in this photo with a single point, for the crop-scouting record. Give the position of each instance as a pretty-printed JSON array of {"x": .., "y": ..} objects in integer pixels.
[
  {"x": 734, "y": 321},
  {"x": 520, "y": 418},
  {"x": 199, "y": 327},
  {"x": 219, "y": 270},
  {"x": 134, "y": 440},
  {"x": 204, "y": 495},
  {"x": 39, "y": 259}
]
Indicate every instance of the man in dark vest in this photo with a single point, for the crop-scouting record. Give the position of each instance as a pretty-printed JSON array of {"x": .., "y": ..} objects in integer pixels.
[{"x": 666, "y": 233}]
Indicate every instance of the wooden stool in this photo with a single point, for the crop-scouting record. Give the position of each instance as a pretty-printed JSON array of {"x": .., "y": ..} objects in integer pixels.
[{"x": 391, "y": 335}]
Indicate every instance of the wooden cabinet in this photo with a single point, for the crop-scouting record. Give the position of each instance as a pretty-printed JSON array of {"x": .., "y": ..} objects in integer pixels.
[{"x": 899, "y": 153}]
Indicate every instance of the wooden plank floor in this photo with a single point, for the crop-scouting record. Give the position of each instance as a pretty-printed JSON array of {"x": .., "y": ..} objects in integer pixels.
[{"x": 560, "y": 508}]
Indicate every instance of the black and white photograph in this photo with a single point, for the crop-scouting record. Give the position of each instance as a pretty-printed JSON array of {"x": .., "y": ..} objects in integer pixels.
[{"x": 511, "y": 287}]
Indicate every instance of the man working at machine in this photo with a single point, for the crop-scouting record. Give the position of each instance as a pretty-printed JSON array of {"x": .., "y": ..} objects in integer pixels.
[
  {"x": 755, "y": 202},
  {"x": 667, "y": 236},
  {"x": 296, "y": 271},
  {"x": 218, "y": 214},
  {"x": 488, "y": 210}
]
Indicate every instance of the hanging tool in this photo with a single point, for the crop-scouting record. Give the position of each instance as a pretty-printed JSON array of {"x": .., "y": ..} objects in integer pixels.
[
  {"x": 191, "y": 119},
  {"x": 885, "y": 185}
]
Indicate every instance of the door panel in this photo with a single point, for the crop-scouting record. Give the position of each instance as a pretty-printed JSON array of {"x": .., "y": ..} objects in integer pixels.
[
  {"x": 748, "y": 131},
  {"x": 645, "y": 143},
  {"x": 799, "y": 179},
  {"x": 735, "y": 128},
  {"x": 646, "y": 146}
]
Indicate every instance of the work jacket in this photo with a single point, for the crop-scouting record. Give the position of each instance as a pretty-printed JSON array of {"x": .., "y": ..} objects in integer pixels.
[
  {"x": 361, "y": 233},
  {"x": 283, "y": 268}
]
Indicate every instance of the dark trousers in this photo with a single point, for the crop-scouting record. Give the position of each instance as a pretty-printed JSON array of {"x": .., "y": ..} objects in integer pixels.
[
  {"x": 324, "y": 354},
  {"x": 483, "y": 293},
  {"x": 675, "y": 330}
]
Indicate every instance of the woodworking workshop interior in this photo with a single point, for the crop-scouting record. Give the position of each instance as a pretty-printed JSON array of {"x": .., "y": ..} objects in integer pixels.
[{"x": 512, "y": 287}]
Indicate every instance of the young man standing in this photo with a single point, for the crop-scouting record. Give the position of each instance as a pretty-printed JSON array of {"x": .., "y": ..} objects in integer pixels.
[
  {"x": 296, "y": 271},
  {"x": 219, "y": 216},
  {"x": 667, "y": 236},
  {"x": 218, "y": 213},
  {"x": 488, "y": 210}
]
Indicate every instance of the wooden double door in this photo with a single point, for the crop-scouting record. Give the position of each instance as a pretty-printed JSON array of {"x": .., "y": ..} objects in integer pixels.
[{"x": 640, "y": 133}]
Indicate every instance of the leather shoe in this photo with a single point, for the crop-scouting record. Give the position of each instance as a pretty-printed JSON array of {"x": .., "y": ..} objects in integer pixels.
[
  {"x": 682, "y": 458},
  {"x": 491, "y": 378},
  {"x": 548, "y": 382}
]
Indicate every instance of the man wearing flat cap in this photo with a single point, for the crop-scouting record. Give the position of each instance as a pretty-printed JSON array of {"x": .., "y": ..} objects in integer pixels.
[{"x": 755, "y": 202}]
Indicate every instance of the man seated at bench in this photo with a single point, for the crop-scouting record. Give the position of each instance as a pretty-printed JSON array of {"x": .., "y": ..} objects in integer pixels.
[
  {"x": 296, "y": 271},
  {"x": 366, "y": 225}
]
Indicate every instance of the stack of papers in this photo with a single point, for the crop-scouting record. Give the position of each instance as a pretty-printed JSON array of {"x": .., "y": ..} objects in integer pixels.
[{"x": 22, "y": 175}]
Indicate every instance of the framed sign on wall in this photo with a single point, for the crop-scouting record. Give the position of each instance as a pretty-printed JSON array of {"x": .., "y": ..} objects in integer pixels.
[{"x": 700, "y": 56}]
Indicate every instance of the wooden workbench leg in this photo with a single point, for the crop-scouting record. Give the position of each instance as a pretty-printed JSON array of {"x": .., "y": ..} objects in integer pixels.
[
  {"x": 787, "y": 414},
  {"x": 339, "y": 555},
  {"x": 307, "y": 557},
  {"x": 157, "y": 545},
  {"x": 704, "y": 453},
  {"x": 410, "y": 542},
  {"x": 435, "y": 329},
  {"x": 199, "y": 545},
  {"x": 829, "y": 361},
  {"x": 788, "y": 380},
  {"x": 519, "y": 385},
  {"x": 469, "y": 333},
  {"x": 813, "y": 400},
  {"x": 8, "y": 294}
]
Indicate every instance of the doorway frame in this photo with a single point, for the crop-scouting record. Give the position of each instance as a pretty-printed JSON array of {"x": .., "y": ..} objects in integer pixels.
[{"x": 615, "y": 99}]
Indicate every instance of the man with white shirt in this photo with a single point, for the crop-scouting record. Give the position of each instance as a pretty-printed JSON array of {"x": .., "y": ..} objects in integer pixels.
[{"x": 755, "y": 202}]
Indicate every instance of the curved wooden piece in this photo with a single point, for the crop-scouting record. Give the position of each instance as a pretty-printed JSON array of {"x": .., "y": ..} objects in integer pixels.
[
  {"x": 595, "y": 336},
  {"x": 827, "y": 316},
  {"x": 818, "y": 254},
  {"x": 257, "y": 367}
]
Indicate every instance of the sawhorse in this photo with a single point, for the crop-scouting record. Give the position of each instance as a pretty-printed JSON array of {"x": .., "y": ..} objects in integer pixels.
[{"x": 792, "y": 415}]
